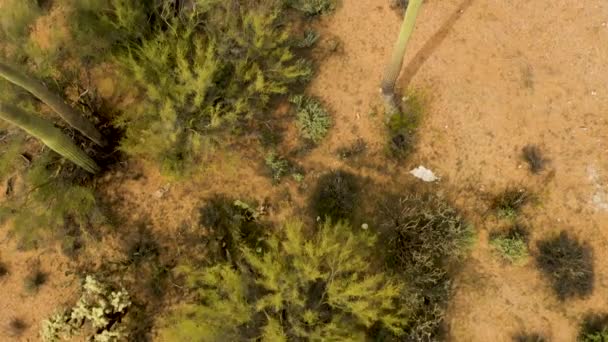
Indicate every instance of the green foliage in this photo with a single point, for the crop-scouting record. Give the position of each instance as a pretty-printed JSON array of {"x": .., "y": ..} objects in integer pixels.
[
  {"x": 52, "y": 198},
  {"x": 319, "y": 287},
  {"x": 10, "y": 153},
  {"x": 312, "y": 7},
  {"x": 594, "y": 328},
  {"x": 425, "y": 235},
  {"x": 309, "y": 40},
  {"x": 232, "y": 224},
  {"x": 511, "y": 245},
  {"x": 201, "y": 68},
  {"x": 279, "y": 167},
  {"x": 98, "y": 307},
  {"x": 509, "y": 203},
  {"x": 568, "y": 264},
  {"x": 313, "y": 120},
  {"x": 16, "y": 17},
  {"x": 336, "y": 195},
  {"x": 402, "y": 126}
]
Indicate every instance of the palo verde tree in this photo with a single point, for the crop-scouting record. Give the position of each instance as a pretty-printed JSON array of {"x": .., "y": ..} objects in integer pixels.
[
  {"x": 393, "y": 68},
  {"x": 317, "y": 287}
]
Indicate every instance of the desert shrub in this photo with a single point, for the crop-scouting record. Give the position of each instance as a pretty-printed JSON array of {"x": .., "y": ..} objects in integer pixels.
[
  {"x": 279, "y": 167},
  {"x": 336, "y": 195},
  {"x": 16, "y": 327},
  {"x": 525, "y": 337},
  {"x": 509, "y": 203},
  {"x": 511, "y": 245},
  {"x": 402, "y": 126},
  {"x": 309, "y": 39},
  {"x": 354, "y": 149},
  {"x": 233, "y": 223},
  {"x": 201, "y": 69},
  {"x": 568, "y": 264},
  {"x": 312, "y": 119},
  {"x": 311, "y": 7},
  {"x": 34, "y": 280},
  {"x": 594, "y": 328},
  {"x": 311, "y": 287},
  {"x": 99, "y": 309},
  {"x": 55, "y": 193},
  {"x": 534, "y": 157},
  {"x": 424, "y": 237}
]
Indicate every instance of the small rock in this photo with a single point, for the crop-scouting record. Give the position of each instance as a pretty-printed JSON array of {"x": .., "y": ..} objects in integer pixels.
[{"x": 424, "y": 174}]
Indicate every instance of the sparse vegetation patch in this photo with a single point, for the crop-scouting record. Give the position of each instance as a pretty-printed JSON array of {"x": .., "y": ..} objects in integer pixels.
[{"x": 567, "y": 264}]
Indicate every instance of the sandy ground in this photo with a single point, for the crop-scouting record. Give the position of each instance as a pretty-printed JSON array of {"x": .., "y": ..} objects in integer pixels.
[{"x": 498, "y": 75}]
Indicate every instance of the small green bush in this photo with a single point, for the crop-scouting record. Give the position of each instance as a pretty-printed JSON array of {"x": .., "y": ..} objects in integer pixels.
[
  {"x": 232, "y": 224},
  {"x": 594, "y": 328},
  {"x": 424, "y": 236},
  {"x": 511, "y": 245},
  {"x": 279, "y": 167},
  {"x": 312, "y": 7},
  {"x": 568, "y": 264},
  {"x": 509, "y": 203},
  {"x": 313, "y": 120},
  {"x": 402, "y": 126},
  {"x": 336, "y": 196},
  {"x": 302, "y": 287},
  {"x": 55, "y": 194}
]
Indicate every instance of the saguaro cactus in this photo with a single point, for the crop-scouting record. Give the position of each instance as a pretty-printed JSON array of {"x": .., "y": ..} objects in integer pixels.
[
  {"x": 50, "y": 135},
  {"x": 393, "y": 68},
  {"x": 56, "y": 103}
]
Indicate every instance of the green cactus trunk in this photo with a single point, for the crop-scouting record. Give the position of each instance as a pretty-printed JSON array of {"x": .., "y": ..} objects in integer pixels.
[
  {"x": 56, "y": 103},
  {"x": 50, "y": 135},
  {"x": 393, "y": 69}
]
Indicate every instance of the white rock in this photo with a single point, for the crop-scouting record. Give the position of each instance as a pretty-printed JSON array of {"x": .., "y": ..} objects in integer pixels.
[{"x": 424, "y": 174}]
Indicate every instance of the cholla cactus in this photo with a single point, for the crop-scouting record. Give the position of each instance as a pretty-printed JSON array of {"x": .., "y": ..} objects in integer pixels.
[{"x": 95, "y": 306}]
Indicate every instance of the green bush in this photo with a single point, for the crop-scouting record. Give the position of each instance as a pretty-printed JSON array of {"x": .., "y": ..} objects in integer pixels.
[
  {"x": 594, "y": 328},
  {"x": 50, "y": 200},
  {"x": 201, "y": 69},
  {"x": 509, "y": 203},
  {"x": 279, "y": 167},
  {"x": 312, "y": 7},
  {"x": 568, "y": 264},
  {"x": 424, "y": 237},
  {"x": 336, "y": 196},
  {"x": 318, "y": 287},
  {"x": 511, "y": 245},
  {"x": 312, "y": 119}
]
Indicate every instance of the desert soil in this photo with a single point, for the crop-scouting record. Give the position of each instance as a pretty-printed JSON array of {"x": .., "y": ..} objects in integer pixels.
[{"x": 497, "y": 75}]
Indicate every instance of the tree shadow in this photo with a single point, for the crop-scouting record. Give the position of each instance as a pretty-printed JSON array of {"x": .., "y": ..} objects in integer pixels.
[{"x": 432, "y": 44}]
